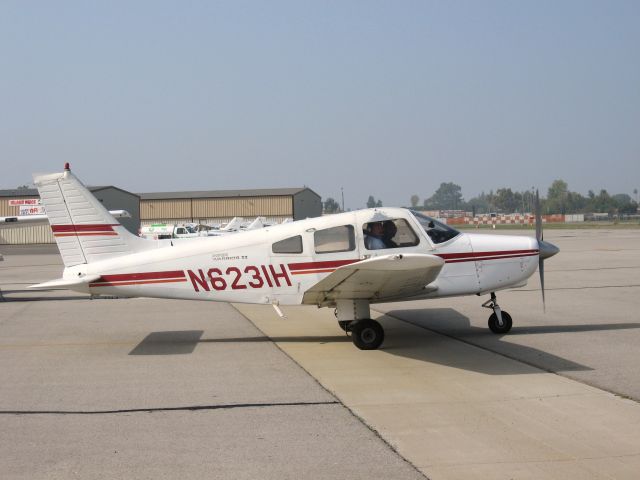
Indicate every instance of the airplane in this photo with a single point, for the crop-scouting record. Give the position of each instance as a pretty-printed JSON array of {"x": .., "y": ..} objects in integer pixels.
[
  {"x": 234, "y": 226},
  {"x": 330, "y": 261}
]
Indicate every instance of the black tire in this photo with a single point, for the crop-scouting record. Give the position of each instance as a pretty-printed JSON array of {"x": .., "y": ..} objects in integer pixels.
[
  {"x": 506, "y": 320},
  {"x": 345, "y": 325},
  {"x": 367, "y": 334}
]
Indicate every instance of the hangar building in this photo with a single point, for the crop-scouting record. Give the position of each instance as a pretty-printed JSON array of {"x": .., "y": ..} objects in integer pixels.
[
  {"x": 113, "y": 198},
  {"x": 219, "y": 206},
  {"x": 208, "y": 207}
]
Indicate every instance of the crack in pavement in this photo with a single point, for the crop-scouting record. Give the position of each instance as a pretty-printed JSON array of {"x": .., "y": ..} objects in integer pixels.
[{"x": 191, "y": 408}]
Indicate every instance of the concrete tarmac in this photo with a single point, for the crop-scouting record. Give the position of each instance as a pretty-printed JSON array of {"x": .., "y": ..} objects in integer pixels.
[
  {"x": 591, "y": 328},
  {"x": 140, "y": 388},
  {"x": 461, "y": 403},
  {"x": 454, "y": 400}
]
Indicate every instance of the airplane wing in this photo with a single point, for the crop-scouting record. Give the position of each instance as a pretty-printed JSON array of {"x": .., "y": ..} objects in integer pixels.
[{"x": 377, "y": 279}]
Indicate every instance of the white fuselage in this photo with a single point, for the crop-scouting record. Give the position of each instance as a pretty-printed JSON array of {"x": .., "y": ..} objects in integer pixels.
[{"x": 243, "y": 268}]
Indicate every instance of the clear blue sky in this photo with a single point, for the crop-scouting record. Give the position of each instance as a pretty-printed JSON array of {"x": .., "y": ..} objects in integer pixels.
[{"x": 383, "y": 98}]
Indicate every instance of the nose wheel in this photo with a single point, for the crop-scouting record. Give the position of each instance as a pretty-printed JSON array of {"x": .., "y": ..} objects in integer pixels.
[{"x": 500, "y": 321}]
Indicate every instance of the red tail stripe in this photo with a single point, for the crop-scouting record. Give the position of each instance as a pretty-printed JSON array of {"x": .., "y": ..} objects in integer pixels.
[
  {"x": 316, "y": 265},
  {"x": 83, "y": 228},
  {"x": 141, "y": 276},
  {"x": 85, "y": 234}
]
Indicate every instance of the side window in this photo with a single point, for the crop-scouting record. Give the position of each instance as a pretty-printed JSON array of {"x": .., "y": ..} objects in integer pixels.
[
  {"x": 389, "y": 234},
  {"x": 288, "y": 245},
  {"x": 336, "y": 239}
]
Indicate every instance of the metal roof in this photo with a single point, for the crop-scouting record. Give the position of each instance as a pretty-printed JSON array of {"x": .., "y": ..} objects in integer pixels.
[
  {"x": 32, "y": 192},
  {"x": 260, "y": 192}
]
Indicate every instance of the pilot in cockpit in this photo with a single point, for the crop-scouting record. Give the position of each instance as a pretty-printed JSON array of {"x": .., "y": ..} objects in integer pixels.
[
  {"x": 389, "y": 231},
  {"x": 374, "y": 239}
]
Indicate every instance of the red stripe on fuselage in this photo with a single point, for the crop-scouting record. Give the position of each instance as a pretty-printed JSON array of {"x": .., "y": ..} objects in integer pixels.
[
  {"x": 461, "y": 255},
  {"x": 477, "y": 259},
  {"x": 122, "y": 277},
  {"x": 144, "y": 282},
  {"x": 320, "y": 265}
]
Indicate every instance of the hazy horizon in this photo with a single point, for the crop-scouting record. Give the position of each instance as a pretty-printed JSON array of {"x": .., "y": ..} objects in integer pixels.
[{"x": 382, "y": 99}]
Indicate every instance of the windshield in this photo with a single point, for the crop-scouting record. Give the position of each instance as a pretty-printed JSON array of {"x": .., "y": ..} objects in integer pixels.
[{"x": 438, "y": 232}]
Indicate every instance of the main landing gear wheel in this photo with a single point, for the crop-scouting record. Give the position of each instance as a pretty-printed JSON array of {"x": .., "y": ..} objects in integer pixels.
[
  {"x": 367, "y": 334},
  {"x": 495, "y": 326}
]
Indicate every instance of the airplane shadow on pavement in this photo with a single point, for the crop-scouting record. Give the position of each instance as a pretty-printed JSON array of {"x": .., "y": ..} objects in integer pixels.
[
  {"x": 445, "y": 339},
  {"x": 180, "y": 342},
  {"x": 456, "y": 327}
]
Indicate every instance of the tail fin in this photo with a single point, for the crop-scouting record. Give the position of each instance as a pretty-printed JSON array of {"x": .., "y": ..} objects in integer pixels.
[{"x": 84, "y": 229}]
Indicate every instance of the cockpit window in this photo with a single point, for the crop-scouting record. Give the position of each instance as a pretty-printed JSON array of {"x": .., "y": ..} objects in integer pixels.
[
  {"x": 389, "y": 234},
  {"x": 438, "y": 232}
]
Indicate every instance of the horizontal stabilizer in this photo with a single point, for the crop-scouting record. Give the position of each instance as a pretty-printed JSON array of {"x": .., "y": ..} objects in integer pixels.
[{"x": 80, "y": 283}]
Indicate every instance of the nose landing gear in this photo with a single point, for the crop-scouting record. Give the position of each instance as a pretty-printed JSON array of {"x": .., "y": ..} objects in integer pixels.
[{"x": 499, "y": 322}]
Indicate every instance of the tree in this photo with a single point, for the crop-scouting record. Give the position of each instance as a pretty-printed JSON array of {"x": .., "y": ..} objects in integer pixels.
[
  {"x": 624, "y": 203},
  {"x": 506, "y": 201},
  {"x": 447, "y": 197},
  {"x": 379, "y": 203},
  {"x": 557, "y": 197},
  {"x": 414, "y": 200},
  {"x": 602, "y": 203},
  {"x": 23, "y": 187},
  {"x": 331, "y": 206},
  {"x": 371, "y": 202},
  {"x": 479, "y": 204}
]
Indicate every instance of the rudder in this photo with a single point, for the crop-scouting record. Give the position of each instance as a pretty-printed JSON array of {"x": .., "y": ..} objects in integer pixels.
[{"x": 83, "y": 228}]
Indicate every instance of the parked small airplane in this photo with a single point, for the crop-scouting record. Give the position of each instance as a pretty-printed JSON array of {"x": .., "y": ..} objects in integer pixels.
[
  {"x": 346, "y": 261},
  {"x": 233, "y": 226}
]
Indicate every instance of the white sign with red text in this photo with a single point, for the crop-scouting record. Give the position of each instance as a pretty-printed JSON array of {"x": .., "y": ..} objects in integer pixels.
[
  {"x": 32, "y": 210},
  {"x": 18, "y": 202}
]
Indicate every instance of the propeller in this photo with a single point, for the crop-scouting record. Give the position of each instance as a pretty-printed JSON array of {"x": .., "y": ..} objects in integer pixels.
[{"x": 545, "y": 249}]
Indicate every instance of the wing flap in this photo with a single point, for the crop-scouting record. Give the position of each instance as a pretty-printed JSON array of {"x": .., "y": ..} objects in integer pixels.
[{"x": 377, "y": 279}]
